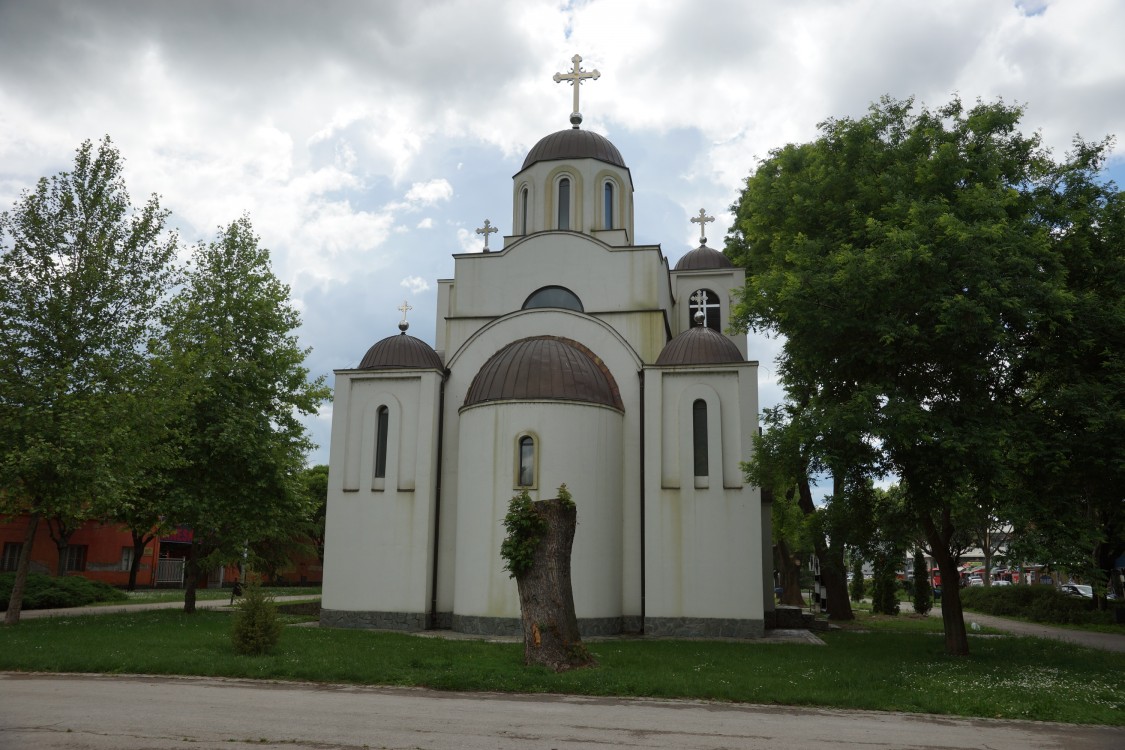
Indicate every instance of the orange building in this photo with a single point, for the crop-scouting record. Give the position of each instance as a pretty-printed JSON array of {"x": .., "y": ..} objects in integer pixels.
[{"x": 104, "y": 552}]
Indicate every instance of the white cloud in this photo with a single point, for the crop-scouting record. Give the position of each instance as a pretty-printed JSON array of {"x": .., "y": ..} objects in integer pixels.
[
  {"x": 428, "y": 193},
  {"x": 415, "y": 284},
  {"x": 426, "y": 223}
]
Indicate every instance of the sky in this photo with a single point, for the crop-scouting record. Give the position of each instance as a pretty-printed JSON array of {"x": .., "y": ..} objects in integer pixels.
[{"x": 367, "y": 141}]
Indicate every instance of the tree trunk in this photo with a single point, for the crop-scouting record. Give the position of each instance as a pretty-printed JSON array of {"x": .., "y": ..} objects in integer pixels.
[
  {"x": 832, "y": 572},
  {"x": 550, "y": 627},
  {"x": 60, "y": 535},
  {"x": 790, "y": 568},
  {"x": 952, "y": 615},
  {"x": 191, "y": 578},
  {"x": 834, "y": 575},
  {"x": 140, "y": 541},
  {"x": 15, "y": 601}
]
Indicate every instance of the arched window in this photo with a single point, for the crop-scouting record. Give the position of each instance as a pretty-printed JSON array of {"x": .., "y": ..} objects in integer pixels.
[
  {"x": 382, "y": 422},
  {"x": 523, "y": 211},
  {"x": 608, "y": 208},
  {"x": 708, "y": 301},
  {"x": 564, "y": 203},
  {"x": 699, "y": 436},
  {"x": 525, "y": 458},
  {"x": 554, "y": 296}
]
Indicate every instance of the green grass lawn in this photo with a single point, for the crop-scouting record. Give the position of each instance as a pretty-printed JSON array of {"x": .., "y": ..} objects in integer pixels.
[{"x": 885, "y": 669}]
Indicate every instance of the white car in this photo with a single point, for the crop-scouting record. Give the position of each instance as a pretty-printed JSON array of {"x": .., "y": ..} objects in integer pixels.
[
  {"x": 1077, "y": 589},
  {"x": 1001, "y": 582}
]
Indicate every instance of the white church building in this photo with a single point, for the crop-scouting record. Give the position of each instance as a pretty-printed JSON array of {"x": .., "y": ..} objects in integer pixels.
[{"x": 570, "y": 355}]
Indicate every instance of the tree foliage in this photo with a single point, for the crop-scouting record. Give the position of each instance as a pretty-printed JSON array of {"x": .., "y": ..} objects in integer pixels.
[
  {"x": 912, "y": 259},
  {"x": 82, "y": 278},
  {"x": 231, "y": 345}
]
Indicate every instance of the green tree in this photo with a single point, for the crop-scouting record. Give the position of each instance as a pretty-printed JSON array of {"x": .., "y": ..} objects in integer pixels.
[
  {"x": 903, "y": 258},
  {"x": 857, "y": 587},
  {"x": 1074, "y": 459},
  {"x": 82, "y": 278},
  {"x": 232, "y": 347},
  {"x": 923, "y": 592}
]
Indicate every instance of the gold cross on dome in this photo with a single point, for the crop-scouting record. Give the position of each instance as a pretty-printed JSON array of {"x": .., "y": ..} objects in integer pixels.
[
  {"x": 486, "y": 230},
  {"x": 576, "y": 76},
  {"x": 702, "y": 220},
  {"x": 405, "y": 308}
]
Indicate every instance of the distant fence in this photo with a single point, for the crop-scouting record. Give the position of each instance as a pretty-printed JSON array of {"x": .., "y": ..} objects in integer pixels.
[{"x": 170, "y": 570}]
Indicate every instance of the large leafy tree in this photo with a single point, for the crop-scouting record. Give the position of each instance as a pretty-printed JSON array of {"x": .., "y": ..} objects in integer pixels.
[
  {"x": 82, "y": 276},
  {"x": 903, "y": 258},
  {"x": 232, "y": 347},
  {"x": 1074, "y": 474}
]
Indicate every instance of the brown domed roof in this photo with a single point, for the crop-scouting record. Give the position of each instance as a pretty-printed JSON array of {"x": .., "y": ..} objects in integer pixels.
[
  {"x": 547, "y": 368},
  {"x": 702, "y": 258},
  {"x": 401, "y": 352},
  {"x": 574, "y": 143},
  {"x": 699, "y": 346}
]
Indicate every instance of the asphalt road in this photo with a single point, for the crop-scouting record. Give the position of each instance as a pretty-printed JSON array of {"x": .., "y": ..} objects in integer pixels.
[{"x": 93, "y": 712}]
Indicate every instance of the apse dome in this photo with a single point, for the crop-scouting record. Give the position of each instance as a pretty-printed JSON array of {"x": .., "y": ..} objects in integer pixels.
[
  {"x": 574, "y": 143},
  {"x": 699, "y": 346},
  {"x": 544, "y": 368},
  {"x": 400, "y": 352}
]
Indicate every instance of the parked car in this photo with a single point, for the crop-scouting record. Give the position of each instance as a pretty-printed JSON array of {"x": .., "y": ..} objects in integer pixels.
[
  {"x": 1001, "y": 582},
  {"x": 1077, "y": 589},
  {"x": 975, "y": 580}
]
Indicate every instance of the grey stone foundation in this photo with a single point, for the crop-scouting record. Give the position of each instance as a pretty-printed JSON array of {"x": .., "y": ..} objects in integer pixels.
[
  {"x": 703, "y": 627},
  {"x": 587, "y": 626},
  {"x": 340, "y": 618}
]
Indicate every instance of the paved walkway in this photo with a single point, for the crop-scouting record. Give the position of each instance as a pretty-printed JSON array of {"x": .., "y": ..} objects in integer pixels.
[
  {"x": 1103, "y": 641},
  {"x": 106, "y": 609}
]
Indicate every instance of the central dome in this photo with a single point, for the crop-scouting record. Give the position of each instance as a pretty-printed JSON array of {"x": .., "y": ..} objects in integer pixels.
[
  {"x": 574, "y": 143},
  {"x": 544, "y": 368}
]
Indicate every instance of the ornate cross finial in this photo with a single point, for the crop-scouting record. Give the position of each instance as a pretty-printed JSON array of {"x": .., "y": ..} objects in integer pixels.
[
  {"x": 405, "y": 308},
  {"x": 486, "y": 230},
  {"x": 700, "y": 300},
  {"x": 702, "y": 220},
  {"x": 576, "y": 76}
]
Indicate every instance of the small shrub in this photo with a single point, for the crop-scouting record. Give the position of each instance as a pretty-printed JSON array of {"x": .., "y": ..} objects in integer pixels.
[
  {"x": 525, "y": 528},
  {"x": 50, "y": 592},
  {"x": 256, "y": 629}
]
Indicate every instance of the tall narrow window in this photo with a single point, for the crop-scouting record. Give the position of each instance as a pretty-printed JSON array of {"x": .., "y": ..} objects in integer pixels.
[
  {"x": 699, "y": 436},
  {"x": 74, "y": 558},
  {"x": 11, "y": 557},
  {"x": 382, "y": 418},
  {"x": 526, "y": 470},
  {"x": 609, "y": 205},
  {"x": 523, "y": 211},
  {"x": 564, "y": 203}
]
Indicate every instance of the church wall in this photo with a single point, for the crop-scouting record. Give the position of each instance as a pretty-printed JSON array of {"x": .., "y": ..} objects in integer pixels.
[
  {"x": 378, "y": 531},
  {"x": 577, "y": 444},
  {"x": 704, "y": 534}
]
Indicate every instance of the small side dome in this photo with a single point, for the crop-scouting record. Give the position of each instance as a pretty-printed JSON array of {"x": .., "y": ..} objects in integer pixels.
[
  {"x": 401, "y": 352},
  {"x": 544, "y": 368},
  {"x": 699, "y": 346},
  {"x": 574, "y": 144},
  {"x": 703, "y": 258}
]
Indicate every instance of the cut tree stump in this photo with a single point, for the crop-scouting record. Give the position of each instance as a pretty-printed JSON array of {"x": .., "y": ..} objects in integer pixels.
[{"x": 550, "y": 627}]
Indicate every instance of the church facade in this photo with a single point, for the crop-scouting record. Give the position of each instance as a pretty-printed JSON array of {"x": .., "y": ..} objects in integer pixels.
[{"x": 570, "y": 355}]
